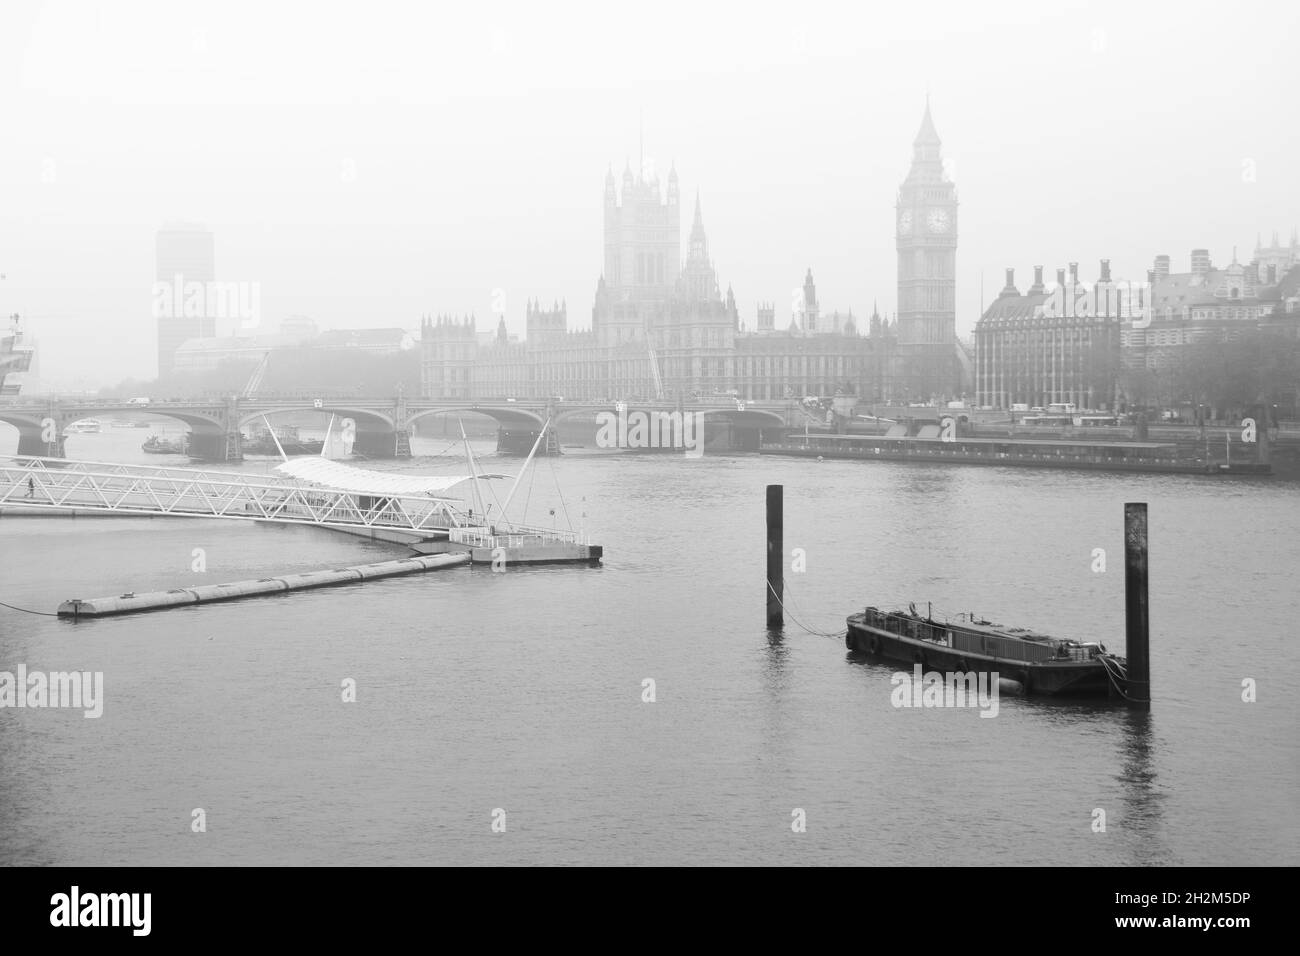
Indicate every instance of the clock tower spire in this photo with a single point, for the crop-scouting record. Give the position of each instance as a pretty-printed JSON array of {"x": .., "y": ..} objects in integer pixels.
[{"x": 926, "y": 227}]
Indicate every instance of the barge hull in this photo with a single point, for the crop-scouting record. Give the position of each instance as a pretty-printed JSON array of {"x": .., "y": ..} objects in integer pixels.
[
  {"x": 1065, "y": 679},
  {"x": 1020, "y": 459}
]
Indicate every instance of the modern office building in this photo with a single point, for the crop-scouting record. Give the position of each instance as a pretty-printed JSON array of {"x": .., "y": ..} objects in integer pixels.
[{"x": 184, "y": 254}]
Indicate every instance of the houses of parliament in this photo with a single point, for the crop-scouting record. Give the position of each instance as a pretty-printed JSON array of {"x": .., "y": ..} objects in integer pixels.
[{"x": 662, "y": 327}]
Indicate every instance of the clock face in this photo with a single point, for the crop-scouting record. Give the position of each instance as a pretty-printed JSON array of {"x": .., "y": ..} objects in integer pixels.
[
  {"x": 938, "y": 220},
  {"x": 905, "y": 222}
]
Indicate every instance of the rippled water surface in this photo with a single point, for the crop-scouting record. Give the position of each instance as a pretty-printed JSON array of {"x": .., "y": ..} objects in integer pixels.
[{"x": 523, "y": 690}]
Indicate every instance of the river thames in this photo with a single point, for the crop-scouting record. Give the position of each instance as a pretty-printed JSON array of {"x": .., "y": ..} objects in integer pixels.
[{"x": 523, "y": 691}]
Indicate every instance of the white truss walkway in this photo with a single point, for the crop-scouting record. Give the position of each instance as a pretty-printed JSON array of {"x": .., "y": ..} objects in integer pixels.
[{"x": 56, "y": 484}]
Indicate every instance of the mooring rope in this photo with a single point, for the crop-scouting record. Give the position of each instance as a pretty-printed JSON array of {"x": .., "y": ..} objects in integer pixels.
[
  {"x": 26, "y": 610},
  {"x": 1112, "y": 668},
  {"x": 797, "y": 622},
  {"x": 839, "y": 633}
]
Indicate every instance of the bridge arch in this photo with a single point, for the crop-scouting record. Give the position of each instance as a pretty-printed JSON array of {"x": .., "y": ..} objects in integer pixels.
[
  {"x": 504, "y": 415},
  {"x": 34, "y": 437},
  {"x": 200, "y": 416},
  {"x": 21, "y": 420},
  {"x": 367, "y": 419},
  {"x": 376, "y": 434},
  {"x": 754, "y": 417},
  {"x": 517, "y": 428},
  {"x": 582, "y": 411}
]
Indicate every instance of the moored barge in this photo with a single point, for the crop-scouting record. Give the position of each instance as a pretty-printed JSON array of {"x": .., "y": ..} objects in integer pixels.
[
  {"x": 1040, "y": 664},
  {"x": 1160, "y": 457}
]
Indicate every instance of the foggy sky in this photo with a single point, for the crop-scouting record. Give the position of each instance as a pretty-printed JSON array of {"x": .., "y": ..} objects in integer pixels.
[{"x": 368, "y": 163}]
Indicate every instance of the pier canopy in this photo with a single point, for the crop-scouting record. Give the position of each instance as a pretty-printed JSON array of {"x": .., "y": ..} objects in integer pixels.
[{"x": 337, "y": 476}]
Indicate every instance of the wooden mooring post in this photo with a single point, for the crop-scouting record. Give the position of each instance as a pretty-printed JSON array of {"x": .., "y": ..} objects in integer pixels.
[
  {"x": 775, "y": 556},
  {"x": 1137, "y": 625}
]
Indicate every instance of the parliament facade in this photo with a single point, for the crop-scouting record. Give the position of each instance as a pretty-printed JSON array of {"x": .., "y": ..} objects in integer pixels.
[{"x": 661, "y": 326}]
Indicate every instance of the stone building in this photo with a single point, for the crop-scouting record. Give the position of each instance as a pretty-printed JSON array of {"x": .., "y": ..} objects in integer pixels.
[
  {"x": 931, "y": 361},
  {"x": 1057, "y": 344},
  {"x": 662, "y": 327},
  {"x": 1209, "y": 305},
  {"x": 1111, "y": 344}
]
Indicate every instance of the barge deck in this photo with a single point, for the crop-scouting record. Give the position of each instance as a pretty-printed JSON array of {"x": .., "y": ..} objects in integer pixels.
[{"x": 1040, "y": 664}]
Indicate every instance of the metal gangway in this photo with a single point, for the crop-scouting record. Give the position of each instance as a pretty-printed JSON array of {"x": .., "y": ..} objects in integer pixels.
[{"x": 58, "y": 485}]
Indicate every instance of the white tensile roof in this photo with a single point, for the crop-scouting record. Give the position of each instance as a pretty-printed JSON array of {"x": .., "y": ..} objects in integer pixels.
[{"x": 340, "y": 477}]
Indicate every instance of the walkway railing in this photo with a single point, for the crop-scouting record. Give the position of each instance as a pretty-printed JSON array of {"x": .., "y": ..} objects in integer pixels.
[
  {"x": 55, "y": 484},
  {"x": 517, "y": 536}
]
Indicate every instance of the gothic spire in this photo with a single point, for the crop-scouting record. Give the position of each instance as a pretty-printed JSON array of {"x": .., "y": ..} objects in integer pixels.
[
  {"x": 927, "y": 135},
  {"x": 697, "y": 228}
]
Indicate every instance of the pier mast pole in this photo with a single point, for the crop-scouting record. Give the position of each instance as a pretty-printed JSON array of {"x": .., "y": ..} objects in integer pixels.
[
  {"x": 775, "y": 556},
  {"x": 1136, "y": 621}
]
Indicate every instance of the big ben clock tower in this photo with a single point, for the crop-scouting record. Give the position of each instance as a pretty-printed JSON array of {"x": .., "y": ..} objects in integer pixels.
[{"x": 926, "y": 226}]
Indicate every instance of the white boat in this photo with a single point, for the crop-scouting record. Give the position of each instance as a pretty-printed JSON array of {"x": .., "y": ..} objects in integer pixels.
[{"x": 87, "y": 426}]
